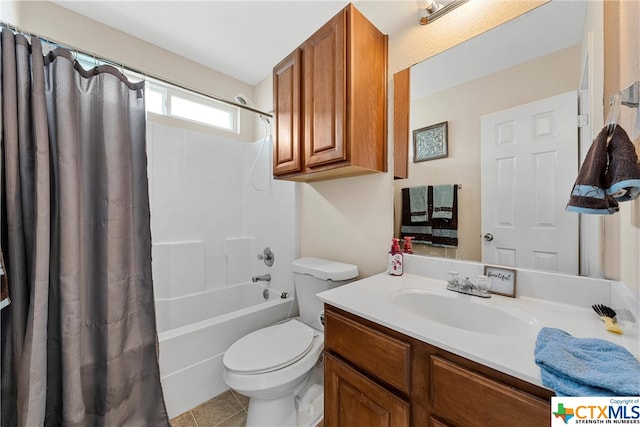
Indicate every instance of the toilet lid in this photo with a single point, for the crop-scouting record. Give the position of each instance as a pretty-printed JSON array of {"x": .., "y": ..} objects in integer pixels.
[{"x": 270, "y": 348}]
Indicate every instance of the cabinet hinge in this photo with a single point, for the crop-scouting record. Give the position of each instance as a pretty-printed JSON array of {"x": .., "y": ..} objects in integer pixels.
[{"x": 583, "y": 120}]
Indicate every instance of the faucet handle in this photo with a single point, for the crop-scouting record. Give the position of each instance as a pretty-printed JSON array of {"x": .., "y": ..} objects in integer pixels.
[
  {"x": 453, "y": 279},
  {"x": 483, "y": 283},
  {"x": 267, "y": 256}
]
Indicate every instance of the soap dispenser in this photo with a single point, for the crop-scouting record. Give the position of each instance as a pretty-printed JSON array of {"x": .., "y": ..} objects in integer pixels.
[
  {"x": 394, "y": 259},
  {"x": 407, "y": 248}
]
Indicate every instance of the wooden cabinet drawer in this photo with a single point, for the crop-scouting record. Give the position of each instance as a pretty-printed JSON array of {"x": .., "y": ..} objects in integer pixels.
[
  {"x": 462, "y": 397},
  {"x": 380, "y": 355}
]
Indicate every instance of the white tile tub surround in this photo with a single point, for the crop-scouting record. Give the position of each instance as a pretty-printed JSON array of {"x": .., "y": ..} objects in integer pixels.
[
  {"x": 178, "y": 268},
  {"x": 208, "y": 224},
  {"x": 238, "y": 253},
  {"x": 191, "y": 352}
]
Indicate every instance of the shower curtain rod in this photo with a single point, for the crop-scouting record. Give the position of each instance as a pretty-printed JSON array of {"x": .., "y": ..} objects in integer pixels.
[{"x": 144, "y": 75}]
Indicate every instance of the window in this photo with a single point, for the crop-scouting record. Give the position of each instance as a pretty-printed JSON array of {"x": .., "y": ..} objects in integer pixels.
[
  {"x": 162, "y": 98},
  {"x": 170, "y": 100}
]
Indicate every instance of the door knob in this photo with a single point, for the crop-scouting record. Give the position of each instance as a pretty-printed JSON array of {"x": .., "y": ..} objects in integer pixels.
[{"x": 488, "y": 237}]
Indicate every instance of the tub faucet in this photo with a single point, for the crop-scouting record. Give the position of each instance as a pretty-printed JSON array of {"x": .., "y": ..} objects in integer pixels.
[{"x": 264, "y": 278}]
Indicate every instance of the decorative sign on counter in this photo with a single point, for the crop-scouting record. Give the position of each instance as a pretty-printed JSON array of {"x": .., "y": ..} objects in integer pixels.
[{"x": 503, "y": 280}]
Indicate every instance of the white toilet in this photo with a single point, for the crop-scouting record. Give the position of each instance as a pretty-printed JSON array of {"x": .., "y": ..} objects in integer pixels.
[{"x": 280, "y": 367}]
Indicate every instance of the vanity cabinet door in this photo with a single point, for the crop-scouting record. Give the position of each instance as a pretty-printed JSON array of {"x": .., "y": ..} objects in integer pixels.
[
  {"x": 383, "y": 357},
  {"x": 434, "y": 422},
  {"x": 463, "y": 397},
  {"x": 353, "y": 400}
]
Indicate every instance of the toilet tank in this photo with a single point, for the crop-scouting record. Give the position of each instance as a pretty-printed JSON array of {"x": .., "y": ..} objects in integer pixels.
[{"x": 314, "y": 275}]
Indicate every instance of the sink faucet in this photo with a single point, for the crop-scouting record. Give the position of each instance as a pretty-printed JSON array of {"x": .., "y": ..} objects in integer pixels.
[
  {"x": 466, "y": 286},
  {"x": 263, "y": 278}
]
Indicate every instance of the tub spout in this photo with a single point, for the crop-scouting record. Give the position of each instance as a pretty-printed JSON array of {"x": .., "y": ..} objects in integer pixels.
[{"x": 263, "y": 278}]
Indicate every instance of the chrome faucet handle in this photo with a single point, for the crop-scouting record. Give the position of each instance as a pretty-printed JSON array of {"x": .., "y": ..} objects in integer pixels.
[{"x": 267, "y": 256}]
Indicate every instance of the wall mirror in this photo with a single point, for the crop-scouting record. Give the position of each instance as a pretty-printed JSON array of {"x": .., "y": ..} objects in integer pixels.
[{"x": 537, "y": 56}]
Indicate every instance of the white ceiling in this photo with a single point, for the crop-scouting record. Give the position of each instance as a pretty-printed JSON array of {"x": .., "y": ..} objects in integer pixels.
[{"x": 243, "y": 39}]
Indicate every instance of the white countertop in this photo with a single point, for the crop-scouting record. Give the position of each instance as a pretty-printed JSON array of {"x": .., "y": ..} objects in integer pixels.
[{"x": 370, "y": 298}]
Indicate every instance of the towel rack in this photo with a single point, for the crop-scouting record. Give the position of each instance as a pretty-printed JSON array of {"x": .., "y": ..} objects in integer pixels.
[{"x": 629, "y": 97}]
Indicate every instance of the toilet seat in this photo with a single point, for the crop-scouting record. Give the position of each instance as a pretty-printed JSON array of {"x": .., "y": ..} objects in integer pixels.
[{"x": 270, "y": 348}]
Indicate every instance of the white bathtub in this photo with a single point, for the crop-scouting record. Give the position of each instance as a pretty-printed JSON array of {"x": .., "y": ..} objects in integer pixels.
[{"x": 195, "y": 331}]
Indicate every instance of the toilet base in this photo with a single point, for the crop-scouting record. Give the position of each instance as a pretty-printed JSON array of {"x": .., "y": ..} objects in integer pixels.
[{"x": 279, "y": 412}]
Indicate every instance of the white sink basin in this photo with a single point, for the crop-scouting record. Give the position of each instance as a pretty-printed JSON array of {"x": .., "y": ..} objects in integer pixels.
[{"x": 464, "y": 312}]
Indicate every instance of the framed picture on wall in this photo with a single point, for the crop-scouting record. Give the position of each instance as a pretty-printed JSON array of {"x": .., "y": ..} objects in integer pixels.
[{"x": 430, "y": 142}]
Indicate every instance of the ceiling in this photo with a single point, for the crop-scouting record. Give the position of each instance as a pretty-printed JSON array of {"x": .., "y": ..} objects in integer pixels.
[{"x": 243, "y": 39}]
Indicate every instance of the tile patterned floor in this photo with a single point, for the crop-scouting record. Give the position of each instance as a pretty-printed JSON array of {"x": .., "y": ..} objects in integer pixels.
[
  {"x": 225, "y": 410},
  {"x": 228, "y": 409}
]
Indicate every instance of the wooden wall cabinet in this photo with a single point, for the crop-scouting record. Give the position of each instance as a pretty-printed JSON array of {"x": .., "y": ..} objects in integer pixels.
[
  {"x": 375, "y": 376},
  {"x": 330, "y": 103}
]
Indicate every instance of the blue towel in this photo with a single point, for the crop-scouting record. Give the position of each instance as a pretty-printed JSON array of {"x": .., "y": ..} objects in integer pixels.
[
  {"x": 585, "y": 366},
  {"x": 418, "y": 203},
  {"x": 443, "y": 201}
]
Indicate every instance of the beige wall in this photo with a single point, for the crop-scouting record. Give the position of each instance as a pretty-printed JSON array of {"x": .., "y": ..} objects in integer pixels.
[
  {"x": 462, "y": 106},
  {"x": 622, "y": 67},
  {"x": 64, "y": 26},
  {"x": 352, "y": 219},
  {"x": 349, "y": 219}
]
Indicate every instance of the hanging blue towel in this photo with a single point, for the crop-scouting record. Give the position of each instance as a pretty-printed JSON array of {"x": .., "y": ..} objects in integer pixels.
[
  {"x": 585, "y": 366},
  {"x": 418, "y": 203},
  {"x": 443, "y": 201}
]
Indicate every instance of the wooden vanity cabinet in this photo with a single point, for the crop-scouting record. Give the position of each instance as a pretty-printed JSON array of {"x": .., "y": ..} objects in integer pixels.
[
  {"x": 375, "y": 376},
  {"x": 330, "y": 103}
]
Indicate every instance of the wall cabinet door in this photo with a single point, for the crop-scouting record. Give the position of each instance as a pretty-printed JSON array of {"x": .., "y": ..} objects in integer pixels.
[
  {"x": 341, "y": 94},
  {"x": 353, "y": 400},
  {"x": 324, "y": 56},
  {"x": 288, "y": 131}
]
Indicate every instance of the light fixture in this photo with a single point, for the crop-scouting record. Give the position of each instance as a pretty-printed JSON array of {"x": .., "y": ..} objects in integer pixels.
[{"x": 430, "y": 10}]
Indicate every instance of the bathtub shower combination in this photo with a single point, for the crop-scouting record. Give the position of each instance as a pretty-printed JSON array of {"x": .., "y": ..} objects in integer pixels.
[
  {"x": 205, "y": 242},
  {"x": 195, "y": 331}
]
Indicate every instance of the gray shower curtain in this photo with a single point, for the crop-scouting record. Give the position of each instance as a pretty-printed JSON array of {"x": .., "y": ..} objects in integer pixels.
[{"x": 79, "y": 338}]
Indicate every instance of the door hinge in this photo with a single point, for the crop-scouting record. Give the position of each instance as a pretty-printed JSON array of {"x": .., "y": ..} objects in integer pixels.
[{"x": 583, "y": 120}]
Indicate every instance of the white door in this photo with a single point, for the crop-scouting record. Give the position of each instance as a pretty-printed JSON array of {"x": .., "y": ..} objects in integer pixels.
[{"x": 529, "y": 165}]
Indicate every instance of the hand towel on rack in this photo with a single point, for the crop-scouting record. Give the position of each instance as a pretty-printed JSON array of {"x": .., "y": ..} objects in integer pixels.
[
  {"x": 623, "y": 173},
  {"x": 443, "y": 201},
  {"x": 589, "y": 195},
  {"x": 414, "y": 225},
  {"x": 418, "y": 203},
  {"x": 443, "y": 204},
  {"x": 585, "y": 366},
  {"x": 432, "y": 231}
]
